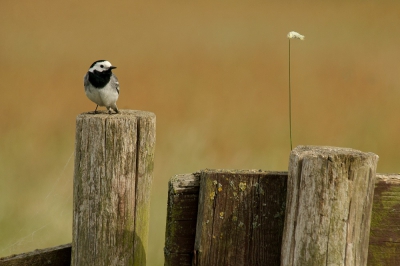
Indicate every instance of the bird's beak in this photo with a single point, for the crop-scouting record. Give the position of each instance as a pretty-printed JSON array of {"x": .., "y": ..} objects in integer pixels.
[{"x": 112, "y": 67}]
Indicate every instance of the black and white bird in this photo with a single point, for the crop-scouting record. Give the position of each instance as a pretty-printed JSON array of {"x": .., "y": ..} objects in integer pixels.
[{"x": 101, "y": 85}]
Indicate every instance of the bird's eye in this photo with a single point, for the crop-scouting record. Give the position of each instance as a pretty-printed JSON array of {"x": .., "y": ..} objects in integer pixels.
[{"x": 101, "y": 66}]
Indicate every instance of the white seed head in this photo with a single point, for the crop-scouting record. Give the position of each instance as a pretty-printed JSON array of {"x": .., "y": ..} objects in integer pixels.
[{"x": 295, "y": 35}]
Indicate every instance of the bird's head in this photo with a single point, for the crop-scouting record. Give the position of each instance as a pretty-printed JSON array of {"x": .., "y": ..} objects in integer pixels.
[{"x": 101, "y": 66}]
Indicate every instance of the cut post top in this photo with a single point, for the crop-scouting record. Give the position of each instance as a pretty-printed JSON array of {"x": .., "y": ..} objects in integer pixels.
[
  {"x": 238, "y": 171},
  {"x": 329, "y": 151},
  {"x": 123, "y": 113}
]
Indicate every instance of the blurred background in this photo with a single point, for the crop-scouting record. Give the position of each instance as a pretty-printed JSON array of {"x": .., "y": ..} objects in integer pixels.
[{"x": 216, "y": 75}]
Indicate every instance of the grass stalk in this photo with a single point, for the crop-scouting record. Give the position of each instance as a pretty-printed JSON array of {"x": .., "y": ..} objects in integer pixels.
[
  {"x": 290, "y": 105},
  {"x": 291, "y": 35}
]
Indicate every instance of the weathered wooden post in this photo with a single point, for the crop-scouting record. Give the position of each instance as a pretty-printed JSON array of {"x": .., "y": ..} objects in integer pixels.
[
  {"x": 328, "y": 208},
  {"x": 112, "y": 181}
]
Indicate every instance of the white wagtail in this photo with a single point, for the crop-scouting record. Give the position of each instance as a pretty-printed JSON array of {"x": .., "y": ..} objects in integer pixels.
[{"x": 101, "y": 85}]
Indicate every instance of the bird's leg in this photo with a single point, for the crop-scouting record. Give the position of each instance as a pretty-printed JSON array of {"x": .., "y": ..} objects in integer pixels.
[
  {"x": 95, "y": 110},
  {"x": 115, "y": 108}
]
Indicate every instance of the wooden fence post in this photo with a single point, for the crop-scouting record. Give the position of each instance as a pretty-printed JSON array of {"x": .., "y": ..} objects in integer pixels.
[
  {"x": 328, "y": 208},
  {"x": 112, "y": 181}
]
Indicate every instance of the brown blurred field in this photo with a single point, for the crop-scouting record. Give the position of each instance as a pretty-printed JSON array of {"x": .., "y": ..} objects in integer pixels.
[{"x": 216, "y": 75}]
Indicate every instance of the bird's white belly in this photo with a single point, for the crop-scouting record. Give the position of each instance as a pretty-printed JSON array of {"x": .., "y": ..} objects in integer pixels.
[
  {"x": 94, "y": 95},
  {"x": 106, "y": 96},
  {"x": 109, "y": 96}
]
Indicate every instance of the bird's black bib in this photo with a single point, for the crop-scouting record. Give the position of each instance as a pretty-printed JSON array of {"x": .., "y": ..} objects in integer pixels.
[{"x": 100, "y": 79}]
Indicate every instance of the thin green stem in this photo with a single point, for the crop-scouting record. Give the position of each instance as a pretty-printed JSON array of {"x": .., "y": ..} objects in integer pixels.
[{"x": 290, "y": 105}]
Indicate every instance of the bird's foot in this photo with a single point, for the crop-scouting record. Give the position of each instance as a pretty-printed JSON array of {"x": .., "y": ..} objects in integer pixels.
[{"x": 115, "y": 110}]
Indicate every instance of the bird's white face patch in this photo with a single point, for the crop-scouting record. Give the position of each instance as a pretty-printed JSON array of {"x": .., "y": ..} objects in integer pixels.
[{"x": 100, "y": 66}]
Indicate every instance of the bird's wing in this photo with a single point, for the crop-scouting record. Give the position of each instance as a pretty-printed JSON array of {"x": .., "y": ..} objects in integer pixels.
[
  {"x": 114, "y": 82},
  {"x": 86, "y": 80}
]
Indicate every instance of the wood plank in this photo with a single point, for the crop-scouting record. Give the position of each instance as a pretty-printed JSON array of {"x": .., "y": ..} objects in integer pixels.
[
  {"x": 384, "y": 241},
  {"x": 182, "y": 207},
  {"x": 240, "y": 217},
  {"x": 55, "y": 256}
]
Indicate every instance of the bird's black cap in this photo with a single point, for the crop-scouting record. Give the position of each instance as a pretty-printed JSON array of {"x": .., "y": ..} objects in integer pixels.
[{"x": 97, "y": 62}]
